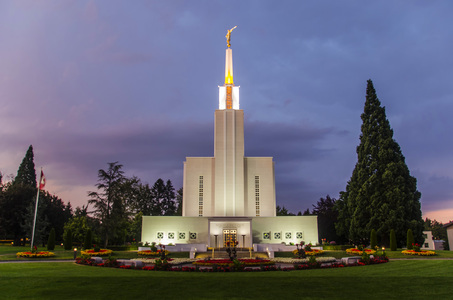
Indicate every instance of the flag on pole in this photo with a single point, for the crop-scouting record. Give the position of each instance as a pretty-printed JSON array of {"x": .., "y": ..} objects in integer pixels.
[{"x": 42, "y": 181}]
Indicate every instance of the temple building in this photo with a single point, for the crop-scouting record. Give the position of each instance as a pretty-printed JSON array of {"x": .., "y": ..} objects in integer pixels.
[{"x": 229, "y": 197}]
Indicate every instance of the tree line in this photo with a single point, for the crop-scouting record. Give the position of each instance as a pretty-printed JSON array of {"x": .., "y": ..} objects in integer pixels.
[{"x": 113, "y": 213}]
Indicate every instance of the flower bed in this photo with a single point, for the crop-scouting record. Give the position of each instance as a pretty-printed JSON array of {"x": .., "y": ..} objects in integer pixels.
[
  {"x": 227, "y": 262},
  {"x": 355, "y": 251},
  {"x": 101, "y": 252},
  {"x": 223, "y": 265},
  {"x": 420, "y": 253},
  {"x": 312, "y": 252},
  {"x": 152, "y": 253},
  {"x": 289, "y": 260},
  {"x": 36, "y": 254},
  {"x": 172, "y": 261}
]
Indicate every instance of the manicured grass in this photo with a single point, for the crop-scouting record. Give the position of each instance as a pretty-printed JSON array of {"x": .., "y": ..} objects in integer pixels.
[
  {"x": 9, "y": 253},
  {"x": 408, "y": 279}
]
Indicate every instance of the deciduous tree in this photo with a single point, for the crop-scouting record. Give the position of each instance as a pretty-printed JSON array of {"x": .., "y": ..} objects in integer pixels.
[{"x": 108, "y": 200}]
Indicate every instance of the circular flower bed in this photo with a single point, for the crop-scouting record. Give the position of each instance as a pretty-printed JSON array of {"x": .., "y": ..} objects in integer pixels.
[
  {"x": 92, "y": 252},
  {"x": 35, "y": 254},
  {"x": 421, "y": 252},
  {"x": 227, "y": 262},
  {"x": 151, "y": 253},
  {"x": 355, "y": 251},
  {"x": 312, "y": 252}
]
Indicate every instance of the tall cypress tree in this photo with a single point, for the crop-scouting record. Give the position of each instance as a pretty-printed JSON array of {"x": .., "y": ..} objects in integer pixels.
[
  {"x": 381, "y": 193},
  {"x": 17, "y": 198}
]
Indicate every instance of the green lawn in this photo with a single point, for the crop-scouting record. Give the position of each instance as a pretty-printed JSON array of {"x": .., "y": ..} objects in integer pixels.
[
  {"x": 9, "y": 253},
  {"x": 408, "y": 279}
]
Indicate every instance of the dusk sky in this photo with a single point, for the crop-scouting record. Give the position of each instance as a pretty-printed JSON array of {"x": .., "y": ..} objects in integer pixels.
[{"x": 92, "y": 82}]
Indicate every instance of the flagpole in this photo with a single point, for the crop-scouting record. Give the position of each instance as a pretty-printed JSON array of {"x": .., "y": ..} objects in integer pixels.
[{"x": 36, "y": 212}]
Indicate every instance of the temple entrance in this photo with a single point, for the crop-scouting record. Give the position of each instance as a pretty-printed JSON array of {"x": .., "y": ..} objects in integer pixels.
[{"x": 229, "y": 236}]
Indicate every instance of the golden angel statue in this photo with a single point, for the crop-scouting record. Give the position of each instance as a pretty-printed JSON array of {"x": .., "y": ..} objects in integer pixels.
[{"x": 228, "y": 36}]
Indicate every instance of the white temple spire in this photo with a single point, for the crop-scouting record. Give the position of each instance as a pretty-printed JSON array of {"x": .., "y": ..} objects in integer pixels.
[{"x": 228, "y": 93}]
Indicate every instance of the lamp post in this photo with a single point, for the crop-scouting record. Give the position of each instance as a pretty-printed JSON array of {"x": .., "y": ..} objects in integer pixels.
[
  {"x": 215, "y": 245},
  {"x": 75, "y": 253}
]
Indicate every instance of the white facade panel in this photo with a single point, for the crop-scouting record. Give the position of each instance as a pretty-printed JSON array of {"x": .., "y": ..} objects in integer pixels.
[
  {"x": 287, "y": 229},
  {"x": 169, "y": 229},
  {"x": 263, "y": 167},
  {"x": 194, "y": 167}
]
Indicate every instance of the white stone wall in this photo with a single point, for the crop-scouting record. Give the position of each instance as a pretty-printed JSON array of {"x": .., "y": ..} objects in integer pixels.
[
  {"x": 428, "y": 244},
  {"x": 264, "y": 168},
  {"x": 450, "y": 236},
  {"x": 229, "y": 162},
  {"x": 194, "y": 167},
  {"x": 282, "y": 227},
  {"x": 179, "y": 226}
]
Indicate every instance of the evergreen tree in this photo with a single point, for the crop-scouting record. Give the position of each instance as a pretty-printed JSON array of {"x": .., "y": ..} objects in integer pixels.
[
  {"x": 410, "y": 240},
  {"x": 16, "y": 199},
  {"x": 381, "y": 193},
  {"x": 179, "y": 196},
  {"x": 158, "y": 192},
  {"x": 282, "y": 211},
  {"x": 392, "y": 240},
  {"x": 88, "y": 243},
  {"x": 373, "y": 239},
  {"x": 327, "y": 216},
  {"x": 51, "y": 240},
  {"x": 67, "y": 243},
  {"x": 26, "y": 174},
  {"x": 42, "y": 223},
  {"x": 168, "y": 203}
]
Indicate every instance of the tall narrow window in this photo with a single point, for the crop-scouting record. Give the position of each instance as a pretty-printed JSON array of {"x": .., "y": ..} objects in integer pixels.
[
  {"x": 200, "y": 196},
  {"x": 257, "y": 195}
]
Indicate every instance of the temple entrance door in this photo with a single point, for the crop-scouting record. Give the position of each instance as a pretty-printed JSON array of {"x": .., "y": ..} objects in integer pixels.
[{"x": 229, "y": 236}]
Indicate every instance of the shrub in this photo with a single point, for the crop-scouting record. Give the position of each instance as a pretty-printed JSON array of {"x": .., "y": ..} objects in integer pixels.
[
  {"x": 392, "y": 240},
  {"x": 51, "y": 240},
  {"x": 88, "y": 240},
  {"x": 373, "y": 239},
  {"x": 410, "y": 239},
  {"x": 68, "y": 240},
  {"x": 153, "y": 247},
  {"x": 336, "y": 247}
]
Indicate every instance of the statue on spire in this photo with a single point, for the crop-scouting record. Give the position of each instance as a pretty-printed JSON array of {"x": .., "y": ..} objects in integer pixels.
[{"x": 228, "y": 36}]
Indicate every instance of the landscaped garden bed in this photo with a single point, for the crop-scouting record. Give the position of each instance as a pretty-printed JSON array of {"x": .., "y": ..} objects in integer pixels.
[
  {"x": 359, "y": 251},
  {"x": 419, "y": 252},
  {"x": 97, "y": 252},
  {"x": 312, "y": 252},
  {"x": 35, "y": 254},
  {"x": 152, "y": 253},
  {"x": 226, "y": 265}
]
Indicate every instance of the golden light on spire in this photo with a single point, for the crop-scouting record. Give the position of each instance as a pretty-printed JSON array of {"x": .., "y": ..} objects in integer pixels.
[{"x": 229, "y": 78}]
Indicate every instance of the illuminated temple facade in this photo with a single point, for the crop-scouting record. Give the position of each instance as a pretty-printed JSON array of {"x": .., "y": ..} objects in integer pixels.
[{"x": 229, "y": 197}]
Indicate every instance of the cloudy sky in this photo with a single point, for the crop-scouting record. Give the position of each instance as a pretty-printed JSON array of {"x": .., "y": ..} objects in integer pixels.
[{"x": 91, "y": 82}]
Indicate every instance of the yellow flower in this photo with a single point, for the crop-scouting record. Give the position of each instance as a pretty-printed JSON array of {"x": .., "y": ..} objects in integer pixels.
[{"x": 420, "y": 253}]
